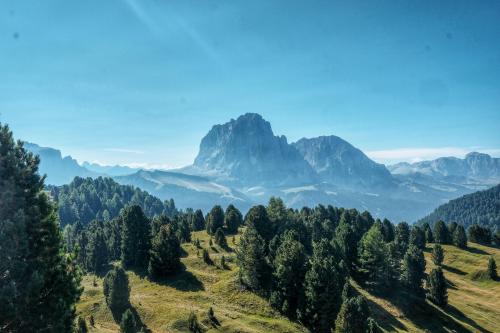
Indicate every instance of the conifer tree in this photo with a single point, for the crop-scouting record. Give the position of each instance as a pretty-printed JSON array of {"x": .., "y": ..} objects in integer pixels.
[
  {"x": 136, "y": 238},
  {"x": 413, "y": 270},
  {"x": 429, "y": 237},
  {"x": 441, "y": 233},
  {"x": 81, "y": 326},
  {"x": 128, "y": 323},
  {"x": 437, "y": 290},
  {"x": 197, "y": 221},
  {"x": 206, "y": 257},
  {"x": 402, "y": 238},
  {"x": 345, "y": 240},
  {"x": 417, "y": 237},
  {"x": 353, "y": 316},
  {"x": 220, "y": 238},
  {"x": 254, "y": 270},
  {"x": 492, "y": 269},
  {"x": 459, "y": 237},
  {"x": 116, "y": 291},
  {"x": 437, "y": 255},
  {"x": 373, "y": 256},
  {"x": 164, "y": 258},
  {"x": 388, "y": 230},
  {"x": 232, "y": 219},
  {"x": 257, "y": 219},
  {"x": 215, "y": 220},
  {"x": 39, "y": 281},
  {"x": 451, "y": 227},
  {"x": 97, "y": 252}
]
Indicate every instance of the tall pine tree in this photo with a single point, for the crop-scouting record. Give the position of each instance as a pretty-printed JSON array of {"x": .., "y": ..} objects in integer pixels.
[
  {"x": 165, "y": 253},
  {"x": 136, "y": 238}
]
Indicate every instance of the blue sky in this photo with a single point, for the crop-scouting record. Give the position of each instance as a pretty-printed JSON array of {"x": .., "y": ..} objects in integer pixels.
[{"x": 140, "y": 82}]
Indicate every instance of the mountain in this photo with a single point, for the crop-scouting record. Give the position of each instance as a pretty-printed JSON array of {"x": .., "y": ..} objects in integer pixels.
[
  {"x": 187, "y": 190},
  {"x": 337, "y": 161},
  {"x": 88, "y": 199},
  {"x": 111, "y": 170},
  {"x": 475, "y": 166},
  {"x": 482, "y": 207},
  {"x": 246, "y": 151},
  {"x": 59, "y": 170}
]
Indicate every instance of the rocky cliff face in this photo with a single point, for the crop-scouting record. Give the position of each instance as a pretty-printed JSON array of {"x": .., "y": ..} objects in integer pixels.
[
  {"x": 247, "y": 150},
  {"x": 338, "y": 162}
]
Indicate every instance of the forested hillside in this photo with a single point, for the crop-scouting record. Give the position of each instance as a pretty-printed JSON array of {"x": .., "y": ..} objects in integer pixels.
[
  {"x": 86, "y": 199},
  {"x": 482, "y": 208}
]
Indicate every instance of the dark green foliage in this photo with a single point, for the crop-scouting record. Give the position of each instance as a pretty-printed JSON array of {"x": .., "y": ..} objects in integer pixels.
[
  {"x": 437, "y": 255},
  {"x": 97, "y": 252},
  {"x": 417, "y": 237},
  {"x": 353, "y": 316},
  {"x": 347, "y": 291},
  {"x": 206, "y": 257},
  {"x": 441, "y": 233},
  {"x": 373, "y": 257},
  {"x": 346, "y": 241},
  {"x": 197, "y": 221},
  {"x": 482, "y": 208},
  {"x": 128, "y": 323},
  {"x": 436, "y": 285},
  {"x": 39, "y": 282},
  {"x": 413, "y": 270},
  {"x": 402, "y": 237},
  {"x": 492, "y": 269},
  {"x": 429, "y": 236},
  {"x": 215, "y": 219},
  {"x": 388, "y": 231},
  {"x": 81, "y": 326},
  {"x": 232, "y": 219},
  {"x": 451, "y": 227},
  {"x": 136, "y": 238},
  {"x": 165, "y": 253},
  {"x": 254, "y": 270},
  {"x": 478, "y": 234},
  {"x": 323, "y": 284},
  {"x": 288, "y": 275},
  {"x": 459, "y": 237},
  {"x": 116, "y": 290},
  {"x": 193, "y": 324},
  {"x": 102, "y": 199},
  {"x": 220, "y": 238},
  {"x": 257, "y": 219},
  {"x": 496, "y": 238}
]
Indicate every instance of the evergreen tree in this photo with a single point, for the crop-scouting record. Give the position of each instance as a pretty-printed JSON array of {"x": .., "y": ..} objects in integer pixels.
[
  {"x": 345, "y": 240},
  {"x": 451, "y": 227},
  {"x": 288, "y": 275},
  {"x": 116, "y": 291},
  {"x": 402, "y": 237},
  {"x": 388, "y": 230},
  {"x": 322, "y": 289},
  {"x": 257, "y": 219},
  {"x": 413, "y": 270},
  {"x": 97, "y": 252},
  {"x": 206, "y": 257},
  {"x": 429, "y": 236},
  {"x": 197, "y": 221},
  {"x": 480, "y": 235},
  {"x": 437, "y": 290},
  {"x": 232, "y": 219},
  {"x": 254, "y": 270},
  {"x": 373, "y": 256},
  {"x": 492, "y": 269},
  {"x": 164, "y": 258},
  {"x": 441, "y": 233},
  {"x": 459, "y": 237},
  {"x": 39, "y": 282},
  {"x": 81, "y": 326},
  {"x": 128, "y": 323},
  {"x": 220, "y": 238},
  {"x": 417, "y": 237},
  {"x": 437, "y": 255},
  {"x": 215, "y": 220},
  {"x": 136, "y": 238},
  {"x": 353, "y": 316}
]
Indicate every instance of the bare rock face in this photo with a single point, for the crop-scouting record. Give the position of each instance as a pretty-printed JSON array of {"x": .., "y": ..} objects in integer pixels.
[{"x": 247, "y": 150}]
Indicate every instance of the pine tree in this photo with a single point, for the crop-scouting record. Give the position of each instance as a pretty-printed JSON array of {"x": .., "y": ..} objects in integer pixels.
[
  {"x": 289, "y": 270},
  {"x": 417, "y": 237},
  {"x": 164, "y": 257},
  {"x": 373, "y": 256},
  {"x": 220, "y": 238},
  {"x": 136, "y": 238},
  {"x": 257, "y": 219},
  {"x": 492, "y": 269},
  {"x": 116, "y": 291},
  {"x": 402, "y": 238},
  {"x": 128, "y": 323},
  {"x": 39, "y": 281},
  {"x": 232, "y": 219},
  {"x": 459, "y": 237},
  {"x": 353, "y": 316},
  {"x": 215, "y": 220},
  {"x": 437, "y": 290},
  {"x": 81, "y": 326},
  {"x": 429, "y": 237},
  {"x": 197, "y": 221},
  {"x": 437, "y": 255},
  {"x": 451, "y": 227},
  {"x": 413, "y": 270},
  {"x": 97, "y": 252},
  {"x": 441, "y": 233},
  {"x": 345, "y": 240},
  {"x": 254, "y": 271},
  {"x": 323, "y": 284},
  {"x": 388, "y": 230},
  {"x": 206, "y": 257}
]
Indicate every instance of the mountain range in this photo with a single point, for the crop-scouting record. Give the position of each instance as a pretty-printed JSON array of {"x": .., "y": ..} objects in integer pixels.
[{"x": 243, "y": 162}]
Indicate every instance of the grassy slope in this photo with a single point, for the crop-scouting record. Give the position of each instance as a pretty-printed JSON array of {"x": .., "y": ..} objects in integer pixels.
[{"x": 474, "y": 304}]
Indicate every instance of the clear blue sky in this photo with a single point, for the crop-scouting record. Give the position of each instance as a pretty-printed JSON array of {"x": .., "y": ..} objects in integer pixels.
[{"x": 141, "y": 82}]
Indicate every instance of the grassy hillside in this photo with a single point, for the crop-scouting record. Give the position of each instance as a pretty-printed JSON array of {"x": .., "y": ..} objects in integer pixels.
[{"x": 474, "y": 302}]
